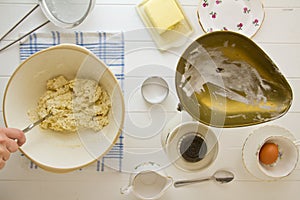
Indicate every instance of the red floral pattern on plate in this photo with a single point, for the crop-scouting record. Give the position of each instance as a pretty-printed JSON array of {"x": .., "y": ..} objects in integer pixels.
[
  {"x": 205, "y": 3},
  {"x": 243, "y": 16},
  {"x": 246, "y": 10},
  {"x": 255, "y": 22},
  {"x": 240, "y": 26},
  {"x": 213, "y": 14}
]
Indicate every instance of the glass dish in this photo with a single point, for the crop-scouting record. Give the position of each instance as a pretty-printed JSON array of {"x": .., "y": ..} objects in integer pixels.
[{"x": 177, "y": 33}]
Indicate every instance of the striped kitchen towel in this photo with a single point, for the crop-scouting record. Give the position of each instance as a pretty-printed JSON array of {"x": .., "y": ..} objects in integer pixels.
[{"x": 109, "y": 47}]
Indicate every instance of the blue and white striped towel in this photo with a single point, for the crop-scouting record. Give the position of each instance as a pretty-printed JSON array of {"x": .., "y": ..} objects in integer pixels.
[{"x": 109, "y": 47}]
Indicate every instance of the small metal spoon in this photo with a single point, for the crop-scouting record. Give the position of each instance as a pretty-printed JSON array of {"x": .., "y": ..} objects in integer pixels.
[
  {"x": 31, "y": 126},
  {"x": 220, "y": 176}
]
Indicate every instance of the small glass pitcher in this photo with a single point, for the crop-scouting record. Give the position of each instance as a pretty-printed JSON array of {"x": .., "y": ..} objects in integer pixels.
[{"x": 148, "y": 181}]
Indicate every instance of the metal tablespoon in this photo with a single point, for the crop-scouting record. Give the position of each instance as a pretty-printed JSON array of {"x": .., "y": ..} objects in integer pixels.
[
  {"x": 220, "y": 176},
  {"x": 31, "y": 126}
]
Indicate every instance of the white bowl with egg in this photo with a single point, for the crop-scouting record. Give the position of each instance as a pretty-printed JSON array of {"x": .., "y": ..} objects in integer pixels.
[
  {"x": 287, "y": 155},
  {"x": 51, "y": 150}
]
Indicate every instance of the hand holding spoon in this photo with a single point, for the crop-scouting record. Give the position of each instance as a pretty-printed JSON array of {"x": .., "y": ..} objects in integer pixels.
[
  {"x": 220, "y": 176},
  {"x": 31, "y": 126}
]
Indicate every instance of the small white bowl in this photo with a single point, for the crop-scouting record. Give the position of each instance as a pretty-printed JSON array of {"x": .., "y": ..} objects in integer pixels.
[
  {"x": 50, "y": 150},
  {"x": 289, "y": 153},
  {"x": 287, "y": 158},
  {"x": 208, "y": 150}
]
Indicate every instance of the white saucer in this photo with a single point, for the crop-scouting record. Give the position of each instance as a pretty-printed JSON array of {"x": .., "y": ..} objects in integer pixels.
[
  {"x": 254, "y": 142},
  {"x": 242, "y": 16}
]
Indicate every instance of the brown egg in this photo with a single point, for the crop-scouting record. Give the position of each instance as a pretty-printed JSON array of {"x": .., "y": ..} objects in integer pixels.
[{"x": 268, "y": 153}]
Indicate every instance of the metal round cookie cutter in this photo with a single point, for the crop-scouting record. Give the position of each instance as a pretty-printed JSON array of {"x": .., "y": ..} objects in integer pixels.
[{"x": 155, "y": 90}]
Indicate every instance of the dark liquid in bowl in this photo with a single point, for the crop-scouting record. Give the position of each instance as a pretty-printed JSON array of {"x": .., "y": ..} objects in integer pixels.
[{"x": 192, "y": 147}]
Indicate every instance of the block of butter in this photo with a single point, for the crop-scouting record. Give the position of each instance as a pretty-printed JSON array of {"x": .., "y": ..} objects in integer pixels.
[{"x": 163, "y": 14}]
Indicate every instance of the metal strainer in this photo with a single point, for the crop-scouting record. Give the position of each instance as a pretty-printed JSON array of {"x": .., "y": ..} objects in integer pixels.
[{"x": 62, "y": 13}]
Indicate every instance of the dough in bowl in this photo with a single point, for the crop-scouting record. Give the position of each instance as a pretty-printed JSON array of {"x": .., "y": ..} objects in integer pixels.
[{"x": 74, "y": 104}]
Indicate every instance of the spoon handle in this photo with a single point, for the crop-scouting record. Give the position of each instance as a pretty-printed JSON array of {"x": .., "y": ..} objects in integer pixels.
[
  {"x": 31, "y": 126},
  {"x": 188, "y": 182}
]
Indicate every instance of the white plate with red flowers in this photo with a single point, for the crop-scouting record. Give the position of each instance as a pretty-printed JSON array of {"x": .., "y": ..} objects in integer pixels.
[{"x": 242, "y": 16}]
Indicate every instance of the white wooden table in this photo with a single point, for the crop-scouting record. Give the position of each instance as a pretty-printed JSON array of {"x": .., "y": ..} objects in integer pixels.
[{"x": 279, "y": 37}]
